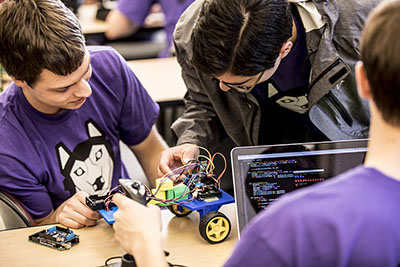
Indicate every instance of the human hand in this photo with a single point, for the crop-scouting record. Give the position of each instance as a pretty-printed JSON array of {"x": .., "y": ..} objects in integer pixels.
[
  {"x": 75, "y": 214},
  {"x": 171, "y": 158},
  {"x": 138, "y": 229}
]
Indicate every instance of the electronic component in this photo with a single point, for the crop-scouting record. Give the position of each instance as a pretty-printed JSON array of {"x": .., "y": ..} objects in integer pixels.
[
  {"x": 55, "y": 237},
  {"x": 209, "y": 189},
  {"x": 108, "y": 215},
  {"x": 166, "y": 193},
  {"x": 134, "y": 190},
  {"x": 96, "y": 202},
  {"x": 104, "y": 205}
]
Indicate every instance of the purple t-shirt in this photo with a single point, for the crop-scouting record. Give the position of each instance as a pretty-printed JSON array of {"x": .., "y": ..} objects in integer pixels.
[
  {"x": 137, "y": 10},
  {"x": 351, "y": 220},
  {"x": 45, "y": 159}
]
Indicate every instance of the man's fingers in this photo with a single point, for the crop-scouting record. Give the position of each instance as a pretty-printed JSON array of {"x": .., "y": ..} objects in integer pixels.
[
  {"x": 163, "y": 168},
  {"x": 71, "y": 223},
  {"x": 118, "y": 199},
  {"x": 74, "y": 219},
  {"x": 78, "y": 206},
  {"x": 81, "y": 196},
  {"x": 175, "y": 157},
  {"x": 190, "y": 154},
  {"x": 122, "y": 201},
  {"x": 76, "y": 214}
]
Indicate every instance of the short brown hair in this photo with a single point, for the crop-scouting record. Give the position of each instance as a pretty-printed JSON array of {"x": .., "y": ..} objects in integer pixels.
[
  {"x": 37, "y": 35},
  {"x": 380, "y": 47}
]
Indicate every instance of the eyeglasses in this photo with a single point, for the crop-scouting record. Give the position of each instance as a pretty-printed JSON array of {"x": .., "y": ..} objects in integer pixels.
[{"x": 240, "y": 88}]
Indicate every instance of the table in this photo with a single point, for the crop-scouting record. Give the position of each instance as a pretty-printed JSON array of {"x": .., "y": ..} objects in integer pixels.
[
  {"x": 181, "y": 238},
  {"x": 87, "y": 18},
  {"x": 91, "y": 25},
  {"x": 161, "y": 77}
]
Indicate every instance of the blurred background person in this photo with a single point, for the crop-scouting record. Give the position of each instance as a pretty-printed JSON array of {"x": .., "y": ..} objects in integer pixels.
[{"x": 130, "y": 16}]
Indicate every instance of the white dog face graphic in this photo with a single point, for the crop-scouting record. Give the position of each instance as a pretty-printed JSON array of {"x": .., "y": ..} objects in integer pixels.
[{"x": 90, "y": 165}]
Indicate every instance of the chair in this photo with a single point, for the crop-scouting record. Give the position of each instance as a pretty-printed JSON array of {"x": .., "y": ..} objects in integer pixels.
[{"x": 12, "y": 213}]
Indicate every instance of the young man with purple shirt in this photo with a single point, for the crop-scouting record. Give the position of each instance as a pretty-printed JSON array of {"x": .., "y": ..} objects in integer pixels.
[
  {"x": 64, "y": 115},
  {"x": 350, "y": 220},
  {"x": 131, "y": 14}
]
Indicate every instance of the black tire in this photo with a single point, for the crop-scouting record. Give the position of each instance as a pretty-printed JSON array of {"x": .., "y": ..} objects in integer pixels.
[{"x": 214, "y": 227}]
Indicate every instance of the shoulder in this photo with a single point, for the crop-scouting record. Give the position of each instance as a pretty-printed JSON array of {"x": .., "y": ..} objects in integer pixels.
[
  {"x": 314, "y": 197},
  {"x": 109, "y": 66},
  {"x": 354, "y": 13},
  {"x": 317, "y": 203},
  {"x": 301, "y": 215},
  {"x": 184, "y": 28},
  {"x": 13, "y": 123},
  {"x": 353, "y": 7},
  {"x": 8, "y": 104},
  {"x": 346, "y": 14},
  {"x": 103, "y": 55},
  {"x": 357, "y": 6},
  {"x": 340, "y": 209}
]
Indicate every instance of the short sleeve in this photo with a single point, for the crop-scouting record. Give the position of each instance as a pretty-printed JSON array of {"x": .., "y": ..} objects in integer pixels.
[
  {"x": 19, "y": 181},
  {"x": 135, "y": 10},
  {"x": 139, "y": 111}
]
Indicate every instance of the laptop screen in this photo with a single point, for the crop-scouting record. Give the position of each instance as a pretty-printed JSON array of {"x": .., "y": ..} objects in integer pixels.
[{"x": 261, "y": 174}]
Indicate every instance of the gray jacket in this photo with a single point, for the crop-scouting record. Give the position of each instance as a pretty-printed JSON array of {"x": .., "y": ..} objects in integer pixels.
[{"x": 333, "y": 30}]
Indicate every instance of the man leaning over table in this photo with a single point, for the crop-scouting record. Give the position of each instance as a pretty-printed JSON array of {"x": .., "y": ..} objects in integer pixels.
[{"x": 268, "y": 72}]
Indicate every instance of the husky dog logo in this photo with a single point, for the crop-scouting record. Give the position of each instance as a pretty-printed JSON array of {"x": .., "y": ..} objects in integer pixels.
[{"x": 89, "y": 167}]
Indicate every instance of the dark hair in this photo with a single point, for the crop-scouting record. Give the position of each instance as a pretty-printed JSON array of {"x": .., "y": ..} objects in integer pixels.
[
  {"x": 37, "y": 35},
  {"x": 242, "y": 37},
  {"x": 380, "y": 46}
]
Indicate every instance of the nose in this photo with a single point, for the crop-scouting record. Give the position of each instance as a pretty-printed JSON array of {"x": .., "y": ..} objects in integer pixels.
[
  {"x": 83, "y": 89},
  {"x": 224, "y": 87}
]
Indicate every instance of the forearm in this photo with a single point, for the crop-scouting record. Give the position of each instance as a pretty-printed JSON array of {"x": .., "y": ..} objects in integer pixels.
[
  {"x": 137, "y": 229},
  {"x": 49, "y": 219},
  {"x": 119, "y": 26},
  {"x": 148, "y": 154},
  {"x": 195, "y": 128},
  {"x": 52, "y": 218},
  {"x": 149, "y": 253},
  {"x": 72, "y": 213},
  {"x": 199, "y": 120},
  {"x": 150, "y": 166}
]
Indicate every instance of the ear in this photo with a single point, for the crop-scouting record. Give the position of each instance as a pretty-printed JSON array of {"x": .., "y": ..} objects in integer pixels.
[
  {"x": 19, "y": 82},
  {"x": 285, "y": 49},
  {"x": 63, "y": 155},
  {"x": 363, "y": 87}
]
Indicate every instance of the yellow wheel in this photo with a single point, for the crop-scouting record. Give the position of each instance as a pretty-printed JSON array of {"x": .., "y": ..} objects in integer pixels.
[
  {"x": 181, "y": 212},
  {"x": 214, "y": 227}
]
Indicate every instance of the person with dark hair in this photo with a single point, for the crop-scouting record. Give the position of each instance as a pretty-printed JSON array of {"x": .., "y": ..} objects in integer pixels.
[
  {"x": 268, "y": 72},
  {"x": 64, "y": 115},
  {"x": 349, "y": 220},
  {"x": 131, "y": 14}
]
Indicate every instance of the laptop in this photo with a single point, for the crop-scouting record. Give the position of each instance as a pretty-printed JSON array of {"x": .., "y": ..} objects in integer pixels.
[{"x": 261, "y": 174}]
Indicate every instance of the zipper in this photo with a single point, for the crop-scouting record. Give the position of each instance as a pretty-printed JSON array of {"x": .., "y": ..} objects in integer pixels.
[
  {"x": 342, "y": 111},
  {"x": 251, "y": 107},
  {"x": 334, "y": 64}
]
